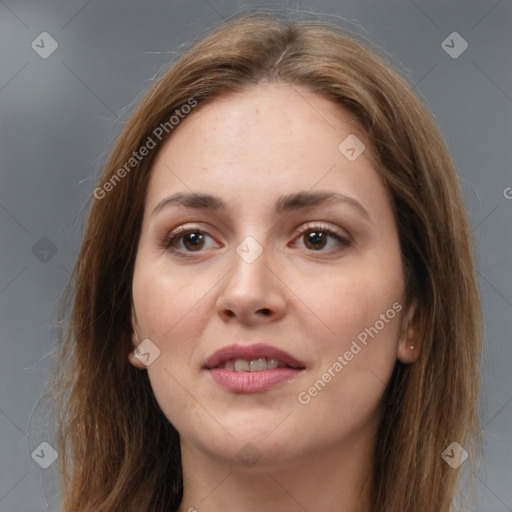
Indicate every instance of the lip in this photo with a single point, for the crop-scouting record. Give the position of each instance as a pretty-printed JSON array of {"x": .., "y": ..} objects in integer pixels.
[
  {"x": 249, "y": 352},
  {"x": 251, "y": 382}
]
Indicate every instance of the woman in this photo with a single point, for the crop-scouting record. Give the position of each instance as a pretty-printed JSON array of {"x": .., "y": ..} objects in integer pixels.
[{"x": 274, "y": 306}]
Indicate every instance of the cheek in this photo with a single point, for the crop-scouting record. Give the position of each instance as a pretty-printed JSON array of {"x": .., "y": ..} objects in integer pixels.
[
  {"x": 355, "y": 364},
  {"x": 349, "y": 300},
  {"x": 171, "y": 309},
  {"x": 167, "y": 302},
  {"x": 168, "y": 306},
  {"x": 361, "y": 313}
]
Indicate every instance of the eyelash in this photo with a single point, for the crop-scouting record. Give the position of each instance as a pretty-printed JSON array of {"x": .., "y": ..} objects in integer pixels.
[{"x": 179, "y": 233}]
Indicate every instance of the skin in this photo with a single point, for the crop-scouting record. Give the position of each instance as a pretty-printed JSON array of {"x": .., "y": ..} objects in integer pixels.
[{"x": 312, "y": 300}]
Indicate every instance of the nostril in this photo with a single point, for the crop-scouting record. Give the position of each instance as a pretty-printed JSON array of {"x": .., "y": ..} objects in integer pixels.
[{"x": 265, "y": 311}]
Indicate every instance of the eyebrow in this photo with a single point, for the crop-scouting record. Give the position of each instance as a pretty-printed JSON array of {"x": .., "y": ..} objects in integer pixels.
[{"x": 286, "y": 203}]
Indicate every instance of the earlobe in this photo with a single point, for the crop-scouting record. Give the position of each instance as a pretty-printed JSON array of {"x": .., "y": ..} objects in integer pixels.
[
  {"x": 409, "y": 345},
  {"x": 135, "y": 361}
]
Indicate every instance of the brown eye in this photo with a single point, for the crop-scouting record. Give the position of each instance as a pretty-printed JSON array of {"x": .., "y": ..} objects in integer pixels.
[
  {"x": 193, "y": 241},
  {"x": 185, "y": 241},
  {"x": 315, "y": 239},
  {"x": 321, "y": 239}
]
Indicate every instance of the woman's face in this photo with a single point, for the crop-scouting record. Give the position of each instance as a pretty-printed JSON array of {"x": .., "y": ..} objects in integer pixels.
[{"x": 276, "y": 235}]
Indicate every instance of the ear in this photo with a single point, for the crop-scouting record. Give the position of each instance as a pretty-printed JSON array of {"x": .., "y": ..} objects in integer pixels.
[
  {"x": 135, "y": 361},
  {"x": 409, "y": 345}
]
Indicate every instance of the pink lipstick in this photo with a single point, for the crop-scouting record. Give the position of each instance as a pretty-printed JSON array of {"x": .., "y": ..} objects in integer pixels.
[{"x": 251, "y": 368}]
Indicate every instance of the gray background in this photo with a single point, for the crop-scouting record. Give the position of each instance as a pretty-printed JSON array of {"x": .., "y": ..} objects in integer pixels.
[{"x": 59, "y": 116}]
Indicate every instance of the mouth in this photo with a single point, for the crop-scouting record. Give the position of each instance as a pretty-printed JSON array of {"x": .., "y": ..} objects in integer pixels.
[
  {"x": 252, "y": 368},
  {"x": 251, "y": 358},
  {"x": 254, "y": 365}
]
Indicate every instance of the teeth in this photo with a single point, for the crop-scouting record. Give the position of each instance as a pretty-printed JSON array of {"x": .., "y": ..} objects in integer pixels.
[
  {"x": 272, "y": 363},
  {"x": 254, "y": 365},
  {"x": 241, "y": 365},
  {"x": 230, "y": 365}
]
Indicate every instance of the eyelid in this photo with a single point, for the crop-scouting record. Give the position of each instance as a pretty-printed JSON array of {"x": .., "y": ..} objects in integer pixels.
[
  {"x": 343, "y": 237},
  {"x": 321, "y": 226},
  {"x": 177, "y": 234}
]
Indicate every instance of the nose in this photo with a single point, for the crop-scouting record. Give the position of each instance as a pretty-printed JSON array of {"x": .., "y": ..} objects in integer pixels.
[{"x": 252, "y": 293}]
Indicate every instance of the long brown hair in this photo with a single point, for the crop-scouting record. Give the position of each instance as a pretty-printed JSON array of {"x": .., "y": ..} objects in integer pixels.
[{"x": 118, "y": 452}]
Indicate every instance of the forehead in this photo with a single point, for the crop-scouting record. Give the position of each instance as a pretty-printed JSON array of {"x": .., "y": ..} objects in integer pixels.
[
  {"x": 271, "y": 137},
  {"x": 269, "y": 115}
]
